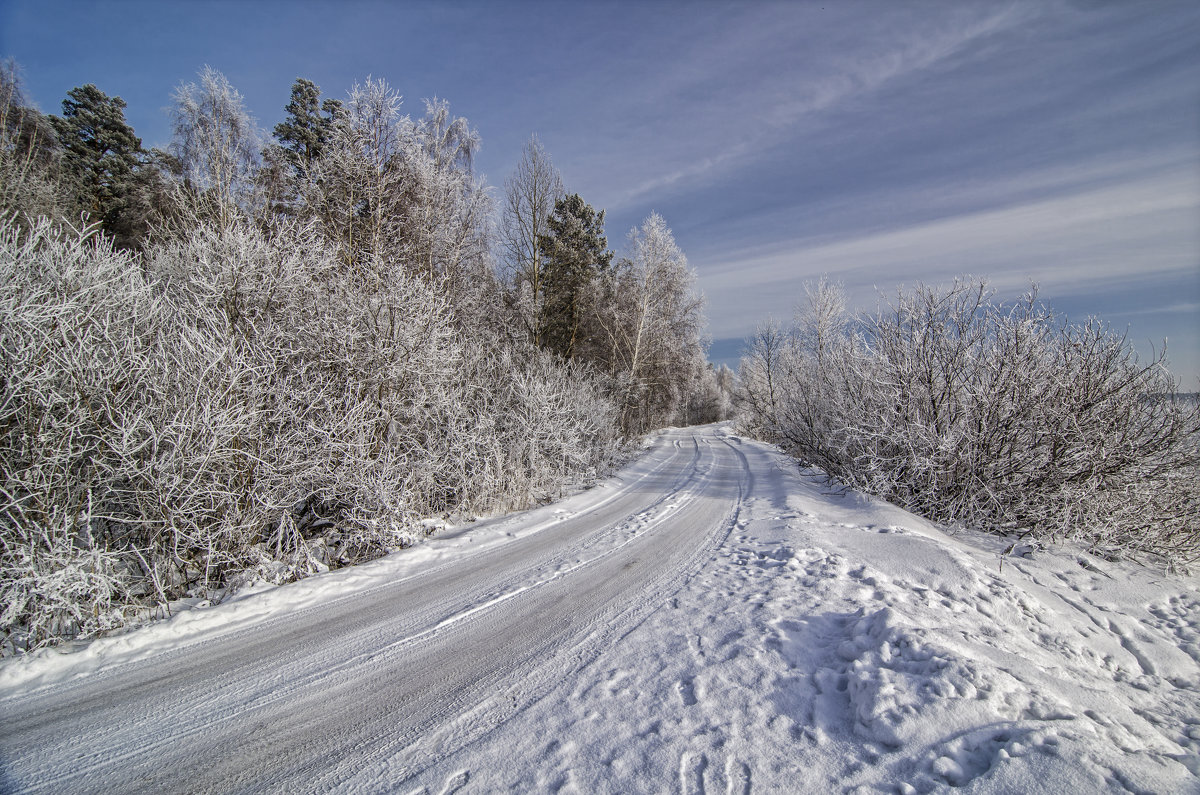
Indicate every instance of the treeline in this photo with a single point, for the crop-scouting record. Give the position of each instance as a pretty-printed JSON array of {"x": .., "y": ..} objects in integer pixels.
[
  {"x": 995, "y": 416},
  {"x": 240, "y": 359}
]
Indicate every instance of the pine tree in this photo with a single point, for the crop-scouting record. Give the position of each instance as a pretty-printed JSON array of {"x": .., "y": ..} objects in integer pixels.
[
  {"x": 576, "y": 253},
  {"x": 100, "y": 157},
  {"x": 305, "y": 131}
]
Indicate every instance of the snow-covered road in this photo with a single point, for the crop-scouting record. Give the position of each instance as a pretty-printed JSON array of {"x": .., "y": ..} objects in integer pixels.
[
  {"x": 405, "y": 671},
  {"x": 711, "y": 619}
]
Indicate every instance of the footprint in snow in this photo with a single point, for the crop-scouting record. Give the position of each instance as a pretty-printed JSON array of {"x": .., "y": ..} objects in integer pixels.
[
  {"x": 455, "y": 782},
  {"x": 687, "y": 692},
  {"x": 691, "y": 773},
  {"x": 737, "y": 777},
  {"x": 692, "y": 767}
]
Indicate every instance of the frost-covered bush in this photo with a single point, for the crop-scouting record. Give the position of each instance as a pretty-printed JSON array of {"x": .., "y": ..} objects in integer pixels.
[
  {"x": 989, "y": 415},
  {"x": 236, "y": 403},
  {"x": 78, "y": 359},
  {"x": 57, "y": 582}
]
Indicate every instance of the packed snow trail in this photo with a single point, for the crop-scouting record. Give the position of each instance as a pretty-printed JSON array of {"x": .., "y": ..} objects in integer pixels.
[
  {"x": 712, "y": 620},
  {"x": 405, "y": 671}
]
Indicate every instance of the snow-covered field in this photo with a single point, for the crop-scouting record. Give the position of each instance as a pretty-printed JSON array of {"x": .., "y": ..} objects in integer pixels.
[{"x": 712, "y": 619}]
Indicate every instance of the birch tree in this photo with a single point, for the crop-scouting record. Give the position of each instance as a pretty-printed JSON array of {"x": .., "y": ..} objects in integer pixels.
[
  {"x": 216, "y": 142},
  {"x": 443, "y": 220},
  {"x": 654, "y": 321},
  {"x": 530, "y": 194}
]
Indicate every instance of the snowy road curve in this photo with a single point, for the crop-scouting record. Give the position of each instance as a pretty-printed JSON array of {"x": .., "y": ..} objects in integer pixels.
[
  {"x": 714, "y": 619},
  {"x": 402, "y": 673}
]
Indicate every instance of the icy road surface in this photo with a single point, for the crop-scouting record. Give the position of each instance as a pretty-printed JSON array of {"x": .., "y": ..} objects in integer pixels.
[{"x": 711, "y": 620}]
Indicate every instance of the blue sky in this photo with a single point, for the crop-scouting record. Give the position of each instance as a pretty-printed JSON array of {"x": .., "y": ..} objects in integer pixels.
[{"x": 878, "y": 143}]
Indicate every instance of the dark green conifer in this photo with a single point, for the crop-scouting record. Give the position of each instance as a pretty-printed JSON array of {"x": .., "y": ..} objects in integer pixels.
[
  {"x": 100, "y": 155},
  {"x": 576, "y": 253},
  {"x": 305, "y": 131}
]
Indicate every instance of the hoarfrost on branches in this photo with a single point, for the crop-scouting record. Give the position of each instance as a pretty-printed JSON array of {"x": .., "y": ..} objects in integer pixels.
[
  {"x": 989, "y": 415},
  {"x": 216, "y": 141},
  {"x": 239, "y": 402}
]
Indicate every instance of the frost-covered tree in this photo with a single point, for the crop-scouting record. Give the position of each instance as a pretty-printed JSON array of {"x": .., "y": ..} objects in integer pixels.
[
  {"x": 29, "y": 154},
  {"x": 392, "y": 192},
  {"x": 710, "y": 396},
  {"x": 653, "y": 319},
  {"x": 529, "y": 197},
  {"x": 726, "y": 382},
  {"x": 357, "y": 184},
  {"x": 443, "y": 220},
  {"x": 770, "y": 376},
  {"x": 794, "y": 379},
  {"x": 217, "y": 143}
]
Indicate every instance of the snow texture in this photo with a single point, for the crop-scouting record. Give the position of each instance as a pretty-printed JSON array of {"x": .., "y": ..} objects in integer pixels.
[{"x": 710, "y": 620}]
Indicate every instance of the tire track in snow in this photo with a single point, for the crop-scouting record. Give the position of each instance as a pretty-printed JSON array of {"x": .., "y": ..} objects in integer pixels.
[
  {"x": 358, "y": 626},
  {"x": 628, "y": 607},
  {"x": 226, "y": 716}
]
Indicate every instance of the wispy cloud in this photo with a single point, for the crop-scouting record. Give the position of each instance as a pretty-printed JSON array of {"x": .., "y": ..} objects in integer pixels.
[
  {"x": 1140, "y": 229},
  {"x": 766, "y": 112},
  {"x": 1188, "y": 308}
]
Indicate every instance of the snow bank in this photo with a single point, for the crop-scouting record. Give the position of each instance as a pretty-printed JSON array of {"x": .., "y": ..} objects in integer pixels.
[{"x": 836, "y": 643}]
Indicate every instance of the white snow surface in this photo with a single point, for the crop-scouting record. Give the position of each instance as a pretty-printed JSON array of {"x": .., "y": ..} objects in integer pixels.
[{"x": 712, "y": 619}]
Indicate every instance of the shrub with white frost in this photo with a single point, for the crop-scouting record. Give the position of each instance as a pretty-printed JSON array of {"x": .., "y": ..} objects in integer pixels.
[
  {"x": 977, "y": 413},
  {"x": 239, "y": 404}
]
